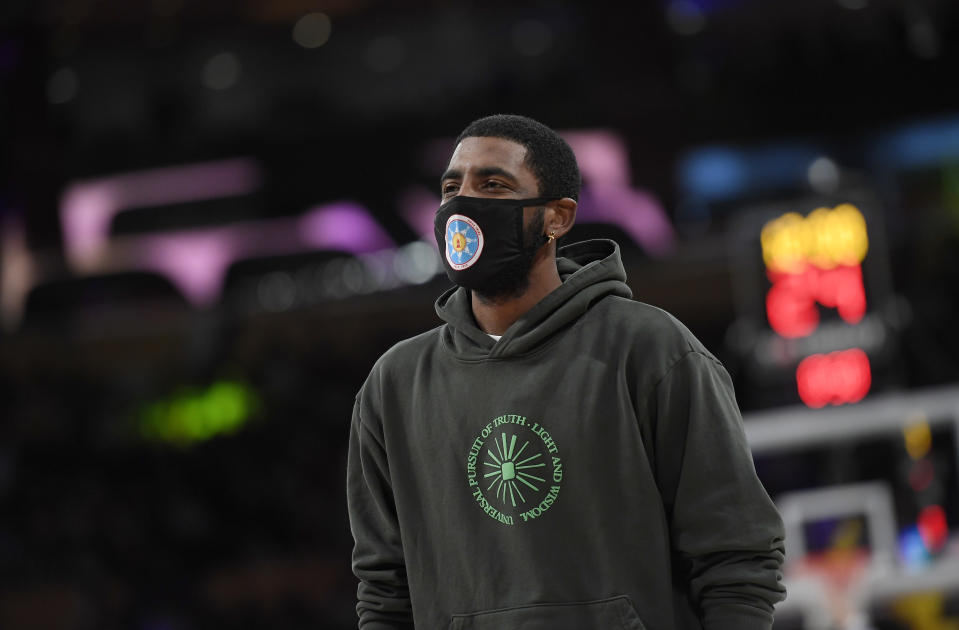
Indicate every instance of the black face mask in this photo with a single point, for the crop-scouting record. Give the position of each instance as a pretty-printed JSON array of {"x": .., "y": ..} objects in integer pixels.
[{"x": 483, "y": 245}]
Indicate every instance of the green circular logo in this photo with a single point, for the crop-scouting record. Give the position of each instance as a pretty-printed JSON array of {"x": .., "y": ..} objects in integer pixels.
[{"x": 514, "y": 469}]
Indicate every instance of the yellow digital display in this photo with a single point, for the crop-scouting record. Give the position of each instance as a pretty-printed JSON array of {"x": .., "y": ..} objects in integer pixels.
[{"x": 827, "y": 238}]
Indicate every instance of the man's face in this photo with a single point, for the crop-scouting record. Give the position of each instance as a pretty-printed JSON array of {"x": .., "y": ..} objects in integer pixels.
[{"x": 495, "y": 168}]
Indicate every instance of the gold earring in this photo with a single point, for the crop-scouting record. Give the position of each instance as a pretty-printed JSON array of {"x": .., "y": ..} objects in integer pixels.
[{"x": 551, "y": 237}]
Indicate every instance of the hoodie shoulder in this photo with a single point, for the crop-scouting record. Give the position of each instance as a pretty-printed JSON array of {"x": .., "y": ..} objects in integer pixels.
[
  {"x": 392, "y": 374},
  {"x": 401, "y": 358},
  {"x": 651, "y": 331}
]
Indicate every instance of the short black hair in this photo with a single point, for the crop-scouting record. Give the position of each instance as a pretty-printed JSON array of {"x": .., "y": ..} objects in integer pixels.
[{"x": 547, "y": 154}]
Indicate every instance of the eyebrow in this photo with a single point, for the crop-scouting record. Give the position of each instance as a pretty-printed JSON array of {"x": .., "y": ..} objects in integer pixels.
[{"x": 485, "y": 171}]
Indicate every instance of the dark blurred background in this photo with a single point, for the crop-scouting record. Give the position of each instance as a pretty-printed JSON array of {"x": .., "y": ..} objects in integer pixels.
[{"x": 215, "y": 216}]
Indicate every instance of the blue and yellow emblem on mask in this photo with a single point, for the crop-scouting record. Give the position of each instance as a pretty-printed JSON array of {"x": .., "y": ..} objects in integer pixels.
[{"x": 464, "y": 242}]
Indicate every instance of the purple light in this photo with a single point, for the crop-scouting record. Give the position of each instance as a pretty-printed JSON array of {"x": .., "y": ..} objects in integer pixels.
[
  {"x": 602, "y": 157},
  {"x": 608, "y": 196},
  {"x": 638, "y": 213},
  {"x": 196, "y": 261},
  {"x": 88, "y": 207},
  {"x": 418, "y": 206},
  {"x": 343, "y": 225}
]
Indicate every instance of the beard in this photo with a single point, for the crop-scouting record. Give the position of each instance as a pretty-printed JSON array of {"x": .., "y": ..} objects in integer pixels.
[{"x": 514, "y": 281}]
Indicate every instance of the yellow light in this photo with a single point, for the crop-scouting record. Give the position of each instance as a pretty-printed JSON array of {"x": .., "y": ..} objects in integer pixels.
[
  {"x": 826, "y": 238},
  {"x": 847, "y": 535},
  {"x": 784, "y": 243},
  {"x": 924, "y": 610},
  {"x": 918, "y": 437}
]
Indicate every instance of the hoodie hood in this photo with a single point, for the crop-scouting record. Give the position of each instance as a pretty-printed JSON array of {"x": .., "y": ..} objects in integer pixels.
[{"x": 590, "y": 270}]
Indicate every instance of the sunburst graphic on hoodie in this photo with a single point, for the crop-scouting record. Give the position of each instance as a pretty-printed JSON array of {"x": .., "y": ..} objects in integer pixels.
[{"x": 510, "y": 473}]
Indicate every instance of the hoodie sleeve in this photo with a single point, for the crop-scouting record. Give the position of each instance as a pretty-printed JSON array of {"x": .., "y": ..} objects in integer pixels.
[
  {"x": 725, "y": 530},
  {"x": 383, "y": 596}
]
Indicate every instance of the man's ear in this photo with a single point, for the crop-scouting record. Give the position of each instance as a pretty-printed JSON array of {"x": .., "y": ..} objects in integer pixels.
[{"x": 559, "y": 216}]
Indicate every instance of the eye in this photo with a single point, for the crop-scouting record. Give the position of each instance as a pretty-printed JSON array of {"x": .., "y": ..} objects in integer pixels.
[{"x": 450, "y": 188}]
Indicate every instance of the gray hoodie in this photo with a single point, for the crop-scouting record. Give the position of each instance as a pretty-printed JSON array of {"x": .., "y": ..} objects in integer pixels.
[{"x": 586, "y": 471}]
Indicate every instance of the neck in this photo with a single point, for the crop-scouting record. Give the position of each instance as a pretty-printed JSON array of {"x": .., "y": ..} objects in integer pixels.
[{"x": 495, "y": 317}]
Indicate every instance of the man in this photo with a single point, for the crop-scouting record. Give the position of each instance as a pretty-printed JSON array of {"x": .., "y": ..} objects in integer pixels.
[{"x": 555, "y": 456}]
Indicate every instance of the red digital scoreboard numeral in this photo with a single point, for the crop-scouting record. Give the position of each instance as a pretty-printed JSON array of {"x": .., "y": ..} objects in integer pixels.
[
  {"x": 791, "y": 302},
  {"x": 813, "y": 261},
  {"x": 836, "y": 378}
]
